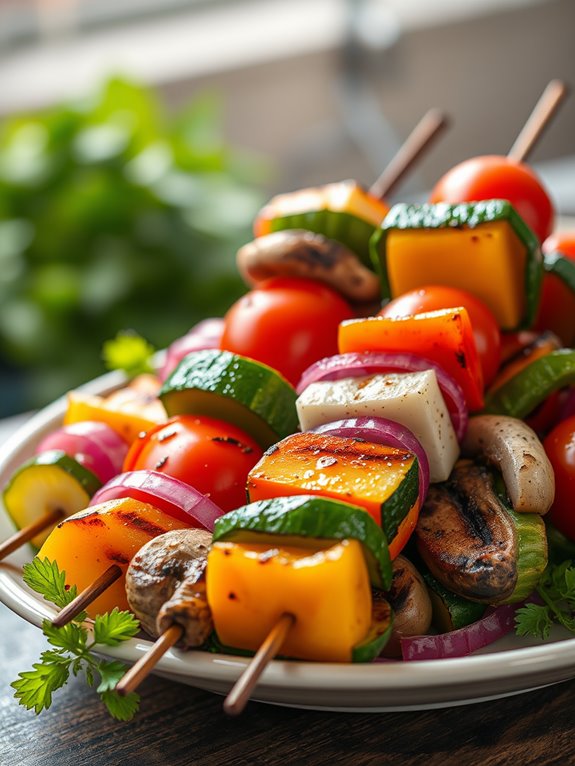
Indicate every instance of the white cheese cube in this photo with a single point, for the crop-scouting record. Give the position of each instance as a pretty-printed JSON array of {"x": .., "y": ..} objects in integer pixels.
[{"x": 411, "y": 399}]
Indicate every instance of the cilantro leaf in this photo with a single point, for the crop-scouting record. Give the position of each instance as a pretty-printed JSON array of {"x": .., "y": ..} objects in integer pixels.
[
  {"x": 71, "y": 652},
  {"x": 34, "y": 687},
  {"x": 121, "y": 708},
  {"x": 44, "y": 577},
  {"x": 130, "y": 353},
  {"x": 533, "y": 620},
  {"x": 111, "y": 671},
  {"x": 71, "y": 637},
  {"x": 114, "y": 627},
  {"x": 557, "y": 592}
]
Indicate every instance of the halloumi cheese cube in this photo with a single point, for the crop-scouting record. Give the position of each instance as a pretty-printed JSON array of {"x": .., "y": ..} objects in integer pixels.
[{"x": 411, "y": 399}]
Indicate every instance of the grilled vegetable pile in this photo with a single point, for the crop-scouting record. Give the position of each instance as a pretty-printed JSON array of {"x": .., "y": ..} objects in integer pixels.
[{"x": 342, "y": 464}]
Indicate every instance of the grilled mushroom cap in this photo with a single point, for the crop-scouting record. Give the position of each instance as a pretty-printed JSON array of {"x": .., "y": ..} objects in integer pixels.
[
  {"x": 299, "y": 253},
  {"x": 515, "y": 449},
  {"x": 156, "y": 578},
  {"x": 466, "y": 537}
]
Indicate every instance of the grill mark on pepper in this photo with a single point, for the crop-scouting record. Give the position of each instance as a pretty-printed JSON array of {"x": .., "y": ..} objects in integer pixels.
[
  {"x": 137, "y": 522},
  {"x": 348, "y": 451},
  {"x": 85, "y": 521}
]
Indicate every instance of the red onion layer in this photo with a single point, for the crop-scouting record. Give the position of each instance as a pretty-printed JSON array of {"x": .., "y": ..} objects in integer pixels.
[
  {"x": 166, "y": 493},
  {"x": 354, "y": 365},
  {"x": 382, "y": 431},
  {"x": 94, "y": 445},
  {"x": 459, "y": 643}
]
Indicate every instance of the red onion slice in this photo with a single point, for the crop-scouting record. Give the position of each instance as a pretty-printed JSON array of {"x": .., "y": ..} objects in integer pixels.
[
  {"x": 95, "y": 445},
  {"x": 354, "y": 365},
  {"x": 459, "y": 643},
  {"x": 166, "y": 493},
  {"x": 382, "y": 431},
  {"x": 205, "y": 334}
]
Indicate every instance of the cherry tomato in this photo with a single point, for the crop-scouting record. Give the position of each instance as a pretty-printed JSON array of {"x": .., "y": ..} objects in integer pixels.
[
  {"x": 286, "y": 323},
  {"x": 557, "y": 306},
  {"x": 560, "y": 448},
  {"x": 433, "y": 297},
  {"x": 211, "y": 455},
  {"x": 494, "y": 177}
]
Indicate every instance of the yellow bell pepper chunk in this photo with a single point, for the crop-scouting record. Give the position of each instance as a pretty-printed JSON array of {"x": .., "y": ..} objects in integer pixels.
[
  {"x": 129, "y": 411},
  {"x": 250, "y": 585},
  {"x": 86, "y": 544},
  {"x": 487, "y": 260}
]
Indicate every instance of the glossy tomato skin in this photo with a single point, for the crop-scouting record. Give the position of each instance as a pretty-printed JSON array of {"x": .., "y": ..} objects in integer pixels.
[
  {"x": 212, "y": 456},
  {"x": 286, "y": 323},
  {"x": 434, "y": 297},
  {"x": 560, "y": 448},
  {"x": 495, "y": 177},
  {"x": 557, "y": 307}
]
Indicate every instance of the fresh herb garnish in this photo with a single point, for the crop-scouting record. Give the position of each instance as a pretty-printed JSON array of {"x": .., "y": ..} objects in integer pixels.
[
  {"x": 72, "y": 649},
  {"x": 557, "y": 591},
  {"x": 130, "y": 353}
]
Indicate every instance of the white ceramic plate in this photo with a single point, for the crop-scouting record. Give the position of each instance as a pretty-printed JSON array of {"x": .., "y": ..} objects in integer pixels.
[{"x": 508, "y": 667}]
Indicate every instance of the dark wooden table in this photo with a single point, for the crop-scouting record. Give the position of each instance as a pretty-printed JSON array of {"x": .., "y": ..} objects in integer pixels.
[{"x": 179, "y": 725}]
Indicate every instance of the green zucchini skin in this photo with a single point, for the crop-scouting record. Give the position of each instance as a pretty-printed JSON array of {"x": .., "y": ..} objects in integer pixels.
[
  {"x": 397, "y": 507},
  {"x": 352, "y": 231},
  {"x": 532, "y": 548},
  {"x": 263, "y": 402},
  {"x": 450, "y": 611},
  {"x": 305, "y": 517},
  {"x": 521, "y": 394},
  {"x": 564, "y": 268},
  {"x": 469, "y": 215}
]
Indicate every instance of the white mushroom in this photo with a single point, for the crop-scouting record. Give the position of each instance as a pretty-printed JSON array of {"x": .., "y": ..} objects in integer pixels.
[{"x": 514, "y": 447}]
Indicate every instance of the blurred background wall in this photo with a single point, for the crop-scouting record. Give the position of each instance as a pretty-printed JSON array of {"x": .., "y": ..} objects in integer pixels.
[
  {"x": 323, "y": 87},
  {"x": 309, "y": 91}
]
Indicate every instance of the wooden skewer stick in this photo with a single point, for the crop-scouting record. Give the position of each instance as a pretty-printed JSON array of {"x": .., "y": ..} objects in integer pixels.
[
  {"x": 144, "y": 666},
  {"x": 551, "y": 98},
  {"x": 30, "y": 531},
  {"x": 421, "y": 137},
  {"x": 241, "y": 692},
  {"x": 85, "y": 597}
]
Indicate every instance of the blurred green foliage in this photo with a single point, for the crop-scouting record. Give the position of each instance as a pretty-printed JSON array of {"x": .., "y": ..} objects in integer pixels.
[{"x": 114, "y": 215}]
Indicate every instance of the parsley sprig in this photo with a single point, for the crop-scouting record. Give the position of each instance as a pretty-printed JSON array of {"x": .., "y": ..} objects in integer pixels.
[
  {"x": 557, "y": 592},
  {"x": 72, "y": 649},
  {"x": 130, "y": 353}
]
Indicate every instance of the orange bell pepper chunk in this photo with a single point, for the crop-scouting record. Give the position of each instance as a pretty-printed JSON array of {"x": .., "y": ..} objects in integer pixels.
[{"x": 444, "y": 337}]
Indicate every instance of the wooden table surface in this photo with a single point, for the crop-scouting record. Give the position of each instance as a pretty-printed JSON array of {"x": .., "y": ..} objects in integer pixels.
[{"x": 178, "y": 725}]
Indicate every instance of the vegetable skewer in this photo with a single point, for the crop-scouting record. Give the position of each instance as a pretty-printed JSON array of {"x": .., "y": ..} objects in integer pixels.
[
  {"x": 144, "y": 666},
  {"x": 508, "y": 177},
  {"x": 242, "y": 690},
  {"x": 87, "y": 596},
  {"x": 420, "y": 139},
  {"x": 551, "y": 99},
  {"x": 24, "y": 535}
]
